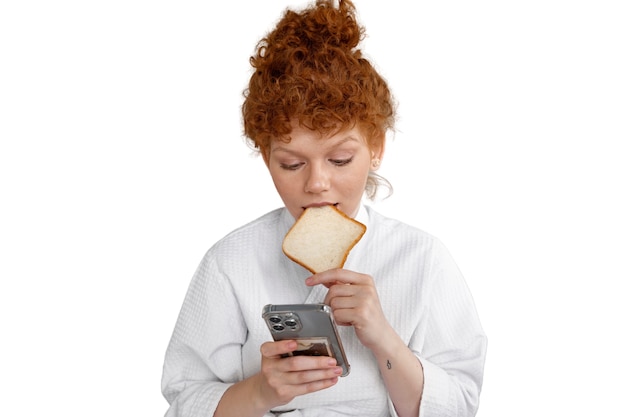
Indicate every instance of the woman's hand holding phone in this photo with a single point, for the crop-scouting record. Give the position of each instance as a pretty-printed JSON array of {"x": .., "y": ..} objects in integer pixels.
[{"x": 284, "y": 378}]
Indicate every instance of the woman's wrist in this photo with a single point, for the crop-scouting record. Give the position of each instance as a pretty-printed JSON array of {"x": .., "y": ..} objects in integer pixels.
[{"x": 244, "y": 398}]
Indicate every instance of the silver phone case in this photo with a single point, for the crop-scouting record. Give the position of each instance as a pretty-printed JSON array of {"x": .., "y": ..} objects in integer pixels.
[{"x": 311, "y": 325}]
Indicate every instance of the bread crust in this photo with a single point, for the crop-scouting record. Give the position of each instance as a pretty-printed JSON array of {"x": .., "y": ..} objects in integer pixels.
[{"x": 322, "y": 238}]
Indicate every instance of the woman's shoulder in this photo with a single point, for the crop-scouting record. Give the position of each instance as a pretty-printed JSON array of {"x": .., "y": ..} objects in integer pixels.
[
  {"x": 401, "y": 238},
  {"x": 264, "y": 230},
  {"x": 383, "y": 224}
]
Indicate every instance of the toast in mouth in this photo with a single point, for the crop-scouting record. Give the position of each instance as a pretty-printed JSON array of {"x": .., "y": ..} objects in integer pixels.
[{"x": 322, "y": 238}]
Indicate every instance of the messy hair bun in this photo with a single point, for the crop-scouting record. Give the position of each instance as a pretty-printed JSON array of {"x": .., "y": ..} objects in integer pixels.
[{"x": 310, "y": 70}]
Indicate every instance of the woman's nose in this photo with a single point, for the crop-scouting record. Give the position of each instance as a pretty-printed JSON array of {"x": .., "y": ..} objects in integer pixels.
[{"x": 318, "y": 180}]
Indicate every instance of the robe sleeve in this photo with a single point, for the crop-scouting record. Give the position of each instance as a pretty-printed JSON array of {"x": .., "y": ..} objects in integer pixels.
[
  {"x": 454, "y": 345},
  {"x": 204, "y": 358}
]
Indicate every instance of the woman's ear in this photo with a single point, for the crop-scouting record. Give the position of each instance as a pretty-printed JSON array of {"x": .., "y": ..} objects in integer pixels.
[
  {"x": 265, "y": 153},
  {"x": 377, "y": 156}
]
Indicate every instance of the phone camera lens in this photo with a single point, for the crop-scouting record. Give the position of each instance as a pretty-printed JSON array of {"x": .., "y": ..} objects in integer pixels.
[
  {"x": 275, "y": 319},
  {"x": 278, "y": 327},
  {"x": 290, "y": 323}
]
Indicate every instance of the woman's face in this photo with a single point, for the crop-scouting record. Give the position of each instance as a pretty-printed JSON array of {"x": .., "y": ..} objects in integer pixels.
[{"x": 315, "y": 170}]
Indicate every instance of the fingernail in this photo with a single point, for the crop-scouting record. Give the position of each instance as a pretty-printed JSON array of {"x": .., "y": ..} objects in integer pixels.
[
  {"x": 332, "y": 362},
  {"x": 308, "y": 281}
]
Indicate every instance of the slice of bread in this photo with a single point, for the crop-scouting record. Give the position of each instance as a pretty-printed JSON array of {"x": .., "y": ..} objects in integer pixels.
[{"x": 322, "y": 238}]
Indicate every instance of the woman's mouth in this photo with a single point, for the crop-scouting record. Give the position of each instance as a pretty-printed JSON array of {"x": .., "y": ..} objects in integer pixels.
[{"x": 320, "y": 205}]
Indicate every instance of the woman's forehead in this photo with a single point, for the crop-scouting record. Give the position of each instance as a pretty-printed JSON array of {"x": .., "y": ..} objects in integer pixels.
[{"x": 303, "y": 136}]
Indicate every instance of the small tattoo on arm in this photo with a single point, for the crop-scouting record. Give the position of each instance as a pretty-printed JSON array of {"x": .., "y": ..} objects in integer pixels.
[{"x": 388, "y": 364}]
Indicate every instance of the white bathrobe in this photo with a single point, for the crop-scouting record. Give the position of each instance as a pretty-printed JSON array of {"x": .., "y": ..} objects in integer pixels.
[{"x": 219, "y": 332}]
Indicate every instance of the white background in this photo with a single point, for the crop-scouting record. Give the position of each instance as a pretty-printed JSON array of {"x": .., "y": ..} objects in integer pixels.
[{"x": 122, "y": 161}]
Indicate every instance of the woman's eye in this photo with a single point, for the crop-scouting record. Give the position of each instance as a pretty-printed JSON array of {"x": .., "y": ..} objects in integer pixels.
[
  {"x": 341, "y": 162},
  {"x": 291, "y": 167}
]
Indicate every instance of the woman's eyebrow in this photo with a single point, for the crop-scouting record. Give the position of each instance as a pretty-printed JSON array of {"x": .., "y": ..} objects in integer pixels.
[{"x": 295, "y": 152}]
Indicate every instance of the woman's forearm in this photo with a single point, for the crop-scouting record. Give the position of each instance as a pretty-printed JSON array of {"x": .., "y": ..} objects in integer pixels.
[
  {"x": 402, "y": 374},
  {"x": 242, "y": 399}
]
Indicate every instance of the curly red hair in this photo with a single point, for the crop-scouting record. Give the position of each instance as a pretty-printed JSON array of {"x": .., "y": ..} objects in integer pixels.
[{"x": 310, "y": 70}]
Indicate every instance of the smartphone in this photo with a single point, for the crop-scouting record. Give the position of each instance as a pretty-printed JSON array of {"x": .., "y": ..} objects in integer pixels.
[{"x": 311, "y": 325}]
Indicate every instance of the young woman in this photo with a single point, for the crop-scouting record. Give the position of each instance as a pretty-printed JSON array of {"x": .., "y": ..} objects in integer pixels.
[{"x": 318, "y": 112}]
